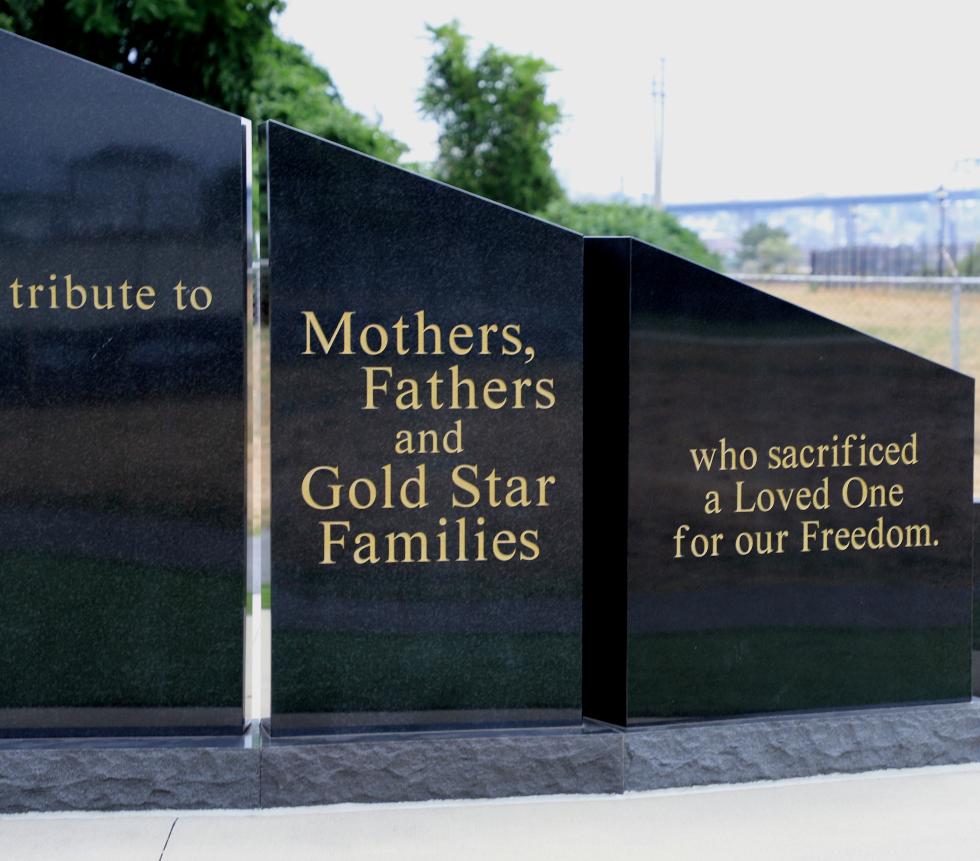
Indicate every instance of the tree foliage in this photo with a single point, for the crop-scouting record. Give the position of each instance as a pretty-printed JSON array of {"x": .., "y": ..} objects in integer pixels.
[
  {"x": 291, "y": 88},
  {"x": 496, "y": 122},
  {"x": 766, "y": 249},
  {"x": 644, "y": 222},
  {"x": 205, "y": 49},
  {"x": 222, "y": 52},
  {"x": 970, "y": 265}
]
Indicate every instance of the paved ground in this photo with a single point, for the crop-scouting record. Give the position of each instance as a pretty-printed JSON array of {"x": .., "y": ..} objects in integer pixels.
[{"x": 917, "y": 813}]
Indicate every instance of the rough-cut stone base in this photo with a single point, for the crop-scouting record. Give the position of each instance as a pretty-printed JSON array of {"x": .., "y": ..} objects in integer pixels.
[
  {"x": 421, "y": 768},
  {"x": 102, "y": 776},
  {"x": 735, "y": 751},
  {"x": 130, "y": 778}
]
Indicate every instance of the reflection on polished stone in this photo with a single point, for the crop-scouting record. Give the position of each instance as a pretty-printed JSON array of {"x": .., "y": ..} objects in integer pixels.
[
  {"x": 121, "y": 415},
  {"x": 785, "y": 503},
  {"x": 427, "y": 446}
]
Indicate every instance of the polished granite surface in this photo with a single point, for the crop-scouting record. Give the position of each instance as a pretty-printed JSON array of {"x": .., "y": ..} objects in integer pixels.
[
  {"x": 835, "y": 470},
  {"x": 420, "y": 333},
  {"x": 122, "y": 429}
]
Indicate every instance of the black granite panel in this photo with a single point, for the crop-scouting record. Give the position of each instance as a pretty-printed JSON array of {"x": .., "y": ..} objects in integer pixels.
[
  {"x": 727, "y": 386},
  {"x": 371, "y": 627},
  {"x": 122, "y": 453},
  {"x": 976, "y": 602}
]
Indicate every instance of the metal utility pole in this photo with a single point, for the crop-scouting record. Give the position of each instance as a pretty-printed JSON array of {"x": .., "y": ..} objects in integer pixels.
[
  {"x": 942, "y": 198},
  {"x": 659, "y": 93}
]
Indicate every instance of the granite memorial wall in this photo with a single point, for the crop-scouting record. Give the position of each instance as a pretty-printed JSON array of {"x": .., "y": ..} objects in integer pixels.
[
  {"x": 777, "y": 508},
  {"x": 787, "y": 504},
  {"x": 122, "y": 403},
  {"x": 426, "y": 420}
]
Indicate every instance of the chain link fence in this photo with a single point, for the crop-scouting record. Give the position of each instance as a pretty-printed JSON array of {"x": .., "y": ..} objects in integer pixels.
[{"x": 938, "y": 318}]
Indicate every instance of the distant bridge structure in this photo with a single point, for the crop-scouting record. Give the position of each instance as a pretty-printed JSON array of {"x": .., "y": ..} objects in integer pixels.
[
  {"x": 748, "y": 212},
  {"x": 819, "y": 202}
]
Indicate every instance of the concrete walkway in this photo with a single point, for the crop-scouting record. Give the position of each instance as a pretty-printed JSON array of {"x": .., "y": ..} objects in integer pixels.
[{"x": 914, "y": 814}]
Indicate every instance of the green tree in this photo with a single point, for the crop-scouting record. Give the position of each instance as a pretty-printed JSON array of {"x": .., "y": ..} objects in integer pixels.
[
  {"x": 970, "y": 265},
  {"x": 291, "y": 88},
  {"x": 766, "y": 249},
  {"x": 222, "y": 52},
  {"x": 205, "y": 49},
  {"x": 496, "y": 123},
  {"x": 644, "y": 222}
]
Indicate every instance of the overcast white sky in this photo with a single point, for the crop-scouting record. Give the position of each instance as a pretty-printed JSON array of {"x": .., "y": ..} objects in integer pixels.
[{"x": 764, "y": 99}]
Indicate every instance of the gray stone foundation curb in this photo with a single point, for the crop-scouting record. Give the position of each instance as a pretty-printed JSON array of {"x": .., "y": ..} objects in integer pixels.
[
  {"x": 442, "y": 766},
  {"x": 419, "y": 769},
  {"x": 131, "y": 778},
  {"x": 770, "y": 748}
]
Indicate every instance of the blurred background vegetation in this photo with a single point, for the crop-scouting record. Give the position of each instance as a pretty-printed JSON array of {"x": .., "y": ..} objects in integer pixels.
[{"x": 495, "y": 120}]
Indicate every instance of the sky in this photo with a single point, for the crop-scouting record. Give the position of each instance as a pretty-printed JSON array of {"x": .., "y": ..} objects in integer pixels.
[{"x": 764, "y": 99}]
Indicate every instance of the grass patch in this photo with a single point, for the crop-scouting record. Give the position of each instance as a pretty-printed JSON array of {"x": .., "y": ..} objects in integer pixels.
[{"x": 266, "y": 599}]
